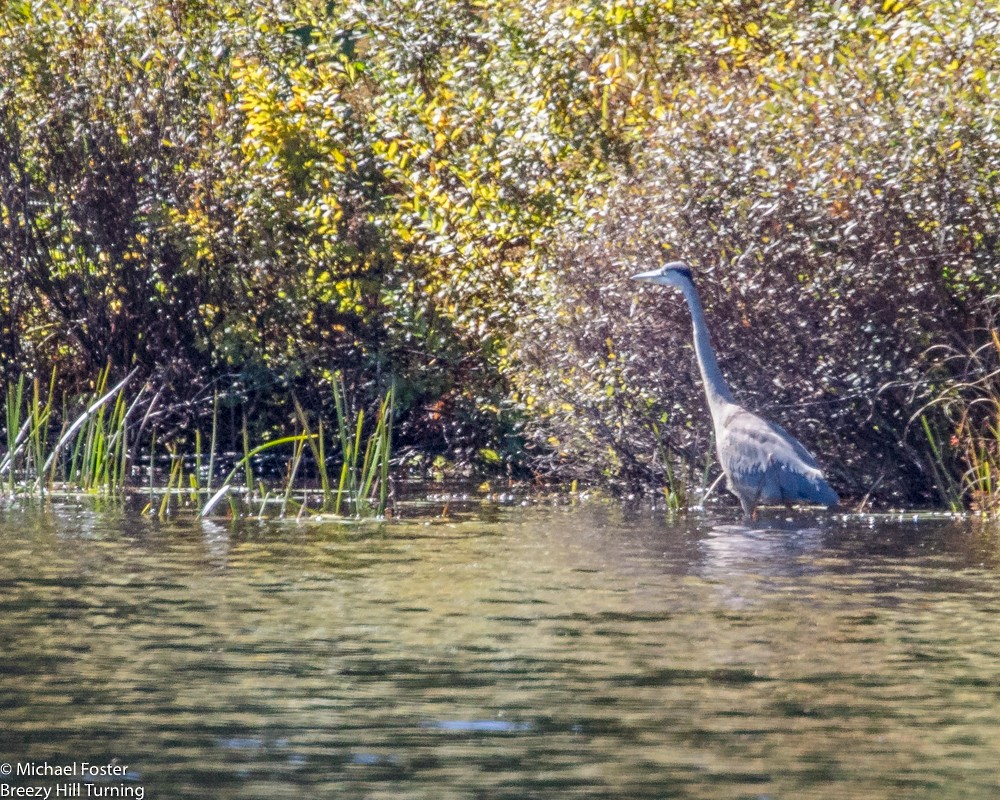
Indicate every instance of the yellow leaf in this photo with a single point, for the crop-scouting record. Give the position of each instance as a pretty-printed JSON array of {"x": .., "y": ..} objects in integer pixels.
[{"x": 490, "y": 456}]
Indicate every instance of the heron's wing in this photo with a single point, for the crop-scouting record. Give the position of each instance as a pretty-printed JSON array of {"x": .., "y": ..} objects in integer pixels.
[
  {"x": 765, "y": 462},
  {"x": 745, "y": 436}
]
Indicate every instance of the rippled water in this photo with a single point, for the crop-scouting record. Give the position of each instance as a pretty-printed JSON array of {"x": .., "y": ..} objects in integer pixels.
[{"x": 585, "y": 652}]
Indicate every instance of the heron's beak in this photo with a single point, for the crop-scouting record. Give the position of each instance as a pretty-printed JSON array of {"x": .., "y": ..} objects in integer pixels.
[{"x": 652, "y": 275}]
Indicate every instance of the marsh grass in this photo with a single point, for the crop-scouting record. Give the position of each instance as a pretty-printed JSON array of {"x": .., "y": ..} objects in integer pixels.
[
  {"x": 27, "y": 418},
  {"x": 964, "y": 441},
  {"x": 100, "y": 444},
  {"x": 981, "y": 478},
  {"x": 677, "y": 473},
  {"x": 949, "y": 488},
  {"x": 364, "y": 479},
  {"x": 87, "y": 445},
  {"x": 363, "y": 487},
  {"x": 90, "y": 450}
]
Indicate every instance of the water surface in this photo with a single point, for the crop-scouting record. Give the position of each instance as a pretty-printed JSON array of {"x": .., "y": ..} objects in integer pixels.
[{"x": 588, "y": 652}]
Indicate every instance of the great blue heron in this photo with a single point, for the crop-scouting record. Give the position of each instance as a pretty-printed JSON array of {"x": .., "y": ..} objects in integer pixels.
[{"x": 763, "y": 463}]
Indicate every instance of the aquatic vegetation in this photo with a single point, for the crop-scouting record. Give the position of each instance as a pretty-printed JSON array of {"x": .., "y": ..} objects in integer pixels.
[
  {"x": 89, "y": 451},
  {"x": 948, "y": 486},
  {"x": 364, "y": 485},
  {"x": 95, "y": 451},
  {"x": 360, "y": 479},
  {"x": 966, "y": 442}
]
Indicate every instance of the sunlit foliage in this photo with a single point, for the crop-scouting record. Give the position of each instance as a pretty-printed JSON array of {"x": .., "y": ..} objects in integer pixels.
[
  {"x": 255, "y": 195},
  {"x": 831, "y": 173}
]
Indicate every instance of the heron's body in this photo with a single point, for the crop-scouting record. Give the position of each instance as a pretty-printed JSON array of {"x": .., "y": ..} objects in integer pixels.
[
  {"x": 763, "y": 463},
  {"x": 786, "y": 475}
]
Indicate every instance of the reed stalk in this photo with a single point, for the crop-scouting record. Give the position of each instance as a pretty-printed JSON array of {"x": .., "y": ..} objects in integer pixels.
[
  {"x": 211, "y": 450},
  {"x": 196, "y": 476},
  {"x": 675, "y": 489},
  {"x": 247, "y": 466},
  {"x": 949, "y": 488},
  {"x": 90, "y": 450},
  {"x": 318, "y": 448},
  {"x": 367, "y": 475},
  {"x": 293, "y": 469},
  {"x": 249, "y": 453},
  {"x": 81, "y": 429},
  {"x": 15, "y": 430}
]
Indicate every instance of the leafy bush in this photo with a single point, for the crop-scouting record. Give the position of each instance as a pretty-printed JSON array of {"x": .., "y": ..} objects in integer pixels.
[
  {"x": 114, "y": 146},
  {"x": 833, "y": 181},
  {"x": 257, "y": 195}
]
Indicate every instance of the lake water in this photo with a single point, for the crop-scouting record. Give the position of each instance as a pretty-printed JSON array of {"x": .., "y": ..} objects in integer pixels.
[{"x": 586, "y": 652}]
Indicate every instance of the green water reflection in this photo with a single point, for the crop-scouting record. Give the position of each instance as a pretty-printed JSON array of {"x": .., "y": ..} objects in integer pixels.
[{"x": 591, "y": 652}]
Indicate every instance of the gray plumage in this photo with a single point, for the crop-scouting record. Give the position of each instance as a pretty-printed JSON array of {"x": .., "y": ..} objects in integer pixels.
[{"x": 763, "y": 463}]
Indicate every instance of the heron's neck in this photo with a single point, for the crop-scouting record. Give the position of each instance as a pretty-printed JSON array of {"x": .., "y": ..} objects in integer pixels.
[{"x": 716, "y": 389}]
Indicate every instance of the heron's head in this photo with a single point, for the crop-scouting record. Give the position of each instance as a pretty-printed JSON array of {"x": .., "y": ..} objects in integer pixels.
[{"x": 676, "y": 273}]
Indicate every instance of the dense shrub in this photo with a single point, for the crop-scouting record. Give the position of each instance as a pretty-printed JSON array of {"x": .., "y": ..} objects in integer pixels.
[
  {"x": 834, "y": 183},
  {"x": 252, "y": 195},
  {"x": 119, "y": 234}
]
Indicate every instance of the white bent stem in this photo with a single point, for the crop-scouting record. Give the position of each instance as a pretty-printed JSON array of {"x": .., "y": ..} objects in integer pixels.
[{"x": 82, "y": 419}]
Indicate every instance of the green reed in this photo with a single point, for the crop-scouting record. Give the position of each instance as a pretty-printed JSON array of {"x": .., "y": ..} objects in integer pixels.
[
  {"x": 96, "y": 438},
  {"x": 981, "y": 479},
  {"x": 949, "y": 488},
  {"x": 980, "y": 447},
  {"x": 12, "y": 409},
  {"x": 85, "y": 443},
  {"x": 243, "y": 465},
  {"x": 318, "y": 449},
  {"x": 962, "y": 425},
  {"x": 676, "y": 488},
  {"x": 364, "y": 472}
]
